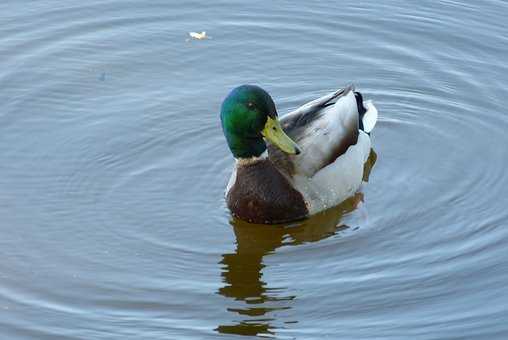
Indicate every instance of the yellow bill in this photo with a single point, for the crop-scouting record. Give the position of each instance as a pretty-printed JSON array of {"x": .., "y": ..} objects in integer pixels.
[{"x": 274, "y": 134}]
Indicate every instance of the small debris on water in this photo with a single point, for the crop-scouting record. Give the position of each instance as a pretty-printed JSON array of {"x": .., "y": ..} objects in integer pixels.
[{"x": 199, "y": 36}]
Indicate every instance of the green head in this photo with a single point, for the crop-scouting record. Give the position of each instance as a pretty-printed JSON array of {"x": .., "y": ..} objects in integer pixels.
[{"x": 248, "y": 115}]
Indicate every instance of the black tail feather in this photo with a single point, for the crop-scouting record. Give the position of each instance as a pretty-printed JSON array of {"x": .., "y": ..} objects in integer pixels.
[{"x": 361, "y": 108}]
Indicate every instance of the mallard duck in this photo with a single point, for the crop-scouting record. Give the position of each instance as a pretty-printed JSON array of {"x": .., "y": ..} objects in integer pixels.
[{"x": 292, "y": 167}]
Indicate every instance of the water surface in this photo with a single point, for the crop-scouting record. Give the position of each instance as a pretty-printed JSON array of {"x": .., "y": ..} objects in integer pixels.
[{"x": 113, "y": 166}]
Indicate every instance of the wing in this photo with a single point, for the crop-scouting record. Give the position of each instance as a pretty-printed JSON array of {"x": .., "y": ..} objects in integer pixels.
[{"x": 324, "y": 129}]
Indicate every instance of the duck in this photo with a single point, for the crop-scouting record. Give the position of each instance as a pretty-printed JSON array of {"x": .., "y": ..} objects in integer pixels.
[{"x": 291, "y": 167}]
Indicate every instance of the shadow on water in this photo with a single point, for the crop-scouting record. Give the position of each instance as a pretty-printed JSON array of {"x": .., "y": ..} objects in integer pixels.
[{"x": 243, "y": 270}]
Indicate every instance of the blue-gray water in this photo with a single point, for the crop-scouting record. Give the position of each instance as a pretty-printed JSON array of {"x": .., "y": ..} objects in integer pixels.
[{"x": 113, "y": 166}]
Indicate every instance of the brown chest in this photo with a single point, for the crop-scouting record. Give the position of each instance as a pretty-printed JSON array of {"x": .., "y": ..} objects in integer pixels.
[{"x": 261, "y": 194}]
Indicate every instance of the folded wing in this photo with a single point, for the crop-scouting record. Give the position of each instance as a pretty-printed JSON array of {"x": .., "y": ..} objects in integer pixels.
[{"x": 323, "y": 128}]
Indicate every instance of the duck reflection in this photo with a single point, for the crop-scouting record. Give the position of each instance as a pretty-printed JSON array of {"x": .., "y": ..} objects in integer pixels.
[{"x": 243, "y": 270}]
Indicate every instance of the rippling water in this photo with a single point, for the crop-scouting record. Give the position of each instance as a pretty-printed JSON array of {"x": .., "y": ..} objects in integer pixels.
[{"x": 113, "y": 166}]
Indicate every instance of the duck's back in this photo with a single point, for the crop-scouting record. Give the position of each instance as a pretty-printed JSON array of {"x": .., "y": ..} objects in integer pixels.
[
  {"x": 332, "y": 133},
  {"x": 323, "y": 129}
]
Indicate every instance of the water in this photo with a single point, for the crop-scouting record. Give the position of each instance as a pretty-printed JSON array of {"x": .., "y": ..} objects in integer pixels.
[{"x": 113, "y": 166}]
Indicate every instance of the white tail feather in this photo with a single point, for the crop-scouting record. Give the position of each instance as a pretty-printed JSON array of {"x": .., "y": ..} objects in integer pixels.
[{"x": 369, "y": 119}]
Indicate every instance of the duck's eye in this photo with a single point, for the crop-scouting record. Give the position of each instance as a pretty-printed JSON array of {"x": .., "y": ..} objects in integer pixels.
[
  {"x": 274, "y": 128},
  {"x": 250, "y": 105}
]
